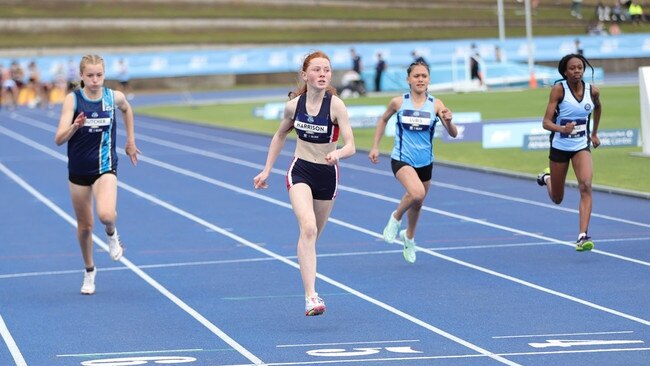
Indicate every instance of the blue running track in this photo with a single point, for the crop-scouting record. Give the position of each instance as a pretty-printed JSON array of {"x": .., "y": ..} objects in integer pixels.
[{"x": 210, "y": 275}]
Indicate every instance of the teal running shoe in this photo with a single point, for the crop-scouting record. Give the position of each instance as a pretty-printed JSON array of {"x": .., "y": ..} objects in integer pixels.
[
  {"x": 584, "y": 243},
  {"x": 409, "y": 247},
  {"x": 391, "y": 229}
]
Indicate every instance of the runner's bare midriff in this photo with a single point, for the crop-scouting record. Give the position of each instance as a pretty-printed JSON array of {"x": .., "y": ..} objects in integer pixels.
[{"x": 314, "y": 153}]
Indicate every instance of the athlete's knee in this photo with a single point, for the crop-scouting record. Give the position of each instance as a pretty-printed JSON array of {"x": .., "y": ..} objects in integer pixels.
[
  {"x": 417, "y": 197},
  {"x": 585, "y": 187},
  {"x": 309, "y": 232},
  {"x": 106, "y": 216},
  {"x": 84, "y": 228},
  {"x": 417, "y": 205}
]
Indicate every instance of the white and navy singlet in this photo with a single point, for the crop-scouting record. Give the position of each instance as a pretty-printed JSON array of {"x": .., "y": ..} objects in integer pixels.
[
  {"x": 414, "y": 132},
  {"x": 91, "y": 150},
  {"x": 318, "y": 129},
  {"x": 572, "y": 110}
]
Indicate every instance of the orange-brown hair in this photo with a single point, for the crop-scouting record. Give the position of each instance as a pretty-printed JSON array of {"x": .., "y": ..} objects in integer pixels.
[{"x": 302, "y": 89}]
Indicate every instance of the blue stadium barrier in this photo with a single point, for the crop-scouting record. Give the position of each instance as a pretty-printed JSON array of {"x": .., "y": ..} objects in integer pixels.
[{"x": 277, "y": 59}]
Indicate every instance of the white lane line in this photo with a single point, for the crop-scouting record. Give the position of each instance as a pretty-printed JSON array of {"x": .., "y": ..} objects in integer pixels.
[
  {"x": 11, "y": 344},
  {"x": 428, "y": 251},
  {"x": 208, "y": 154},
  {"x": 369, "y": 232},
  {"x": 180, "y": 303},
  {"x": 448, "y": 357},
  {"x": 372, "y": 233},
  {"x": 371, "y": 195},
  {"x": 345, "y": 343},
  {"x": 357, "y": 191},
  {"x": 562, "y": 334},
  {"x": 130, "y": 353},
  {"x": 242, "y": 241},
  {"x": 376, "y": 171},
  {"x": 327, "y": 279}
]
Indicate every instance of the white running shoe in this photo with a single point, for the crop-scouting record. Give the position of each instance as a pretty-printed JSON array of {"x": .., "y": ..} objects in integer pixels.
[
  {"x": 88, "y": 287},
  {"x": 409, "y": 247},
  {"x": 391, "y": 229},
  {"x": 115, "y": 247},
  {"x": 314, "y": 305}
]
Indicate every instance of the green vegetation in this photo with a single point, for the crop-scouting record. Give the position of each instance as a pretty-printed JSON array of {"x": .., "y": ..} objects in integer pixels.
[
  {"x": 345, "y": 22},
  {"x": 615, "y": 166}
]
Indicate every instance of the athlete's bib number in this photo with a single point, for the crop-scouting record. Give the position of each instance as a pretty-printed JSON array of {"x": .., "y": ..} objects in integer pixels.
[
  {"x": 415, "y": 120},
  {"x": 579, "y": 130},
  {"x": 97, "y": 121}
]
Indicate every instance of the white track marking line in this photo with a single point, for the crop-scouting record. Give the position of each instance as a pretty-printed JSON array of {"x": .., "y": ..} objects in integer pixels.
[
  {"x": 387, "y": 361},
  {"x": 11, "y": 344},
  {"x": 168, "y": 294},
  {"x": 562, "y": 334},
  {"x": 242, "y": 241},
  {"x": 371, "y": 170},
  {"x": 369, "y": 232}
]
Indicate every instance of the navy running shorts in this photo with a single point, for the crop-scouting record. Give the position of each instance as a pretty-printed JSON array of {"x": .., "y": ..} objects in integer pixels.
[{"x": 323, "y": 179}]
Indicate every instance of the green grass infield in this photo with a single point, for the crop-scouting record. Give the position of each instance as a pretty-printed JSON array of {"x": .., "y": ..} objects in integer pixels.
[{"x": 614, "y": 167}]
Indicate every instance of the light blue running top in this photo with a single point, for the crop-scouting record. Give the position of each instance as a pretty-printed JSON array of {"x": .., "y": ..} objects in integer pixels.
[
  {"x": 570, "y": 109},
  {"x": 414, "y": 132},
  {"x": 91, "y": 150}
]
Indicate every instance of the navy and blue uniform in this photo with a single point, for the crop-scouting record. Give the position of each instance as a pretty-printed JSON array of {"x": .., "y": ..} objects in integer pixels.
[
  {"x": 414, "y": 137},
  {"x": 91, "y": 150},
  {"x": 319, "y": 129},
  {"x": 570, "y": 109}
]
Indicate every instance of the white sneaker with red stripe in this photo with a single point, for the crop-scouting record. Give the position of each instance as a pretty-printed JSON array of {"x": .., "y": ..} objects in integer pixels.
[{"x": 314, "y": 305}]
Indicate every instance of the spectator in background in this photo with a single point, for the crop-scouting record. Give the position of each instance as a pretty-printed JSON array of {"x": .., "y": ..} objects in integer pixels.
[
  {"x": 499, "y": 56},
  {"x": 626, "y": 4},
  {"x": 475, "y": 65},
  {"x": 59, "y": 84},
  {"x": 603, "y": 12},
  {"x": 379, "y": 70},
  {"x": 418, "y": 58},
  {"x": 124, "y": 77},
  {"x": 618, "y": 14},
  {"x": 352, "y": 85},
  {"x": 9, "y": 92},
  {"x": 37, "y": 88},
  {"x": 578, "y": 47},
  {"x": 614, "y": 29},
  {"x": 17, "y": 74},
  {"x": 596, "y": 28},
  {"x": 357, "y": 66},
  {"x": 576, "y": 8},
  {"x": 72, "y": 75},
  {"x": 636, "y": 13}
]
